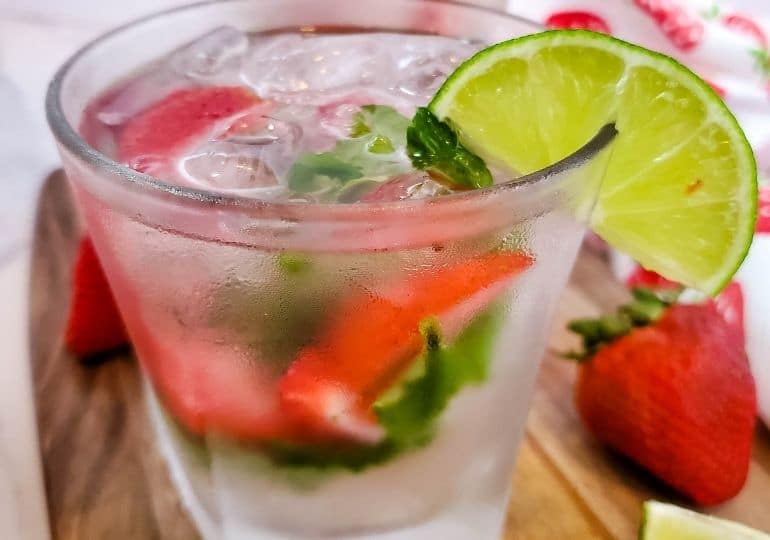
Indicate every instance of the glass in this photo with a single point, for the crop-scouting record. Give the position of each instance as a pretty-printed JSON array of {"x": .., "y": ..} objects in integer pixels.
[{"x": 222, "y": 296}]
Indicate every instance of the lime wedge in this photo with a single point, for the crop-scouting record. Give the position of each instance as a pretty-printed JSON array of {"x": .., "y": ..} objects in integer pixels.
[
  {"x": 668, "y": 522},
  {"x": 680, "y": 192}
]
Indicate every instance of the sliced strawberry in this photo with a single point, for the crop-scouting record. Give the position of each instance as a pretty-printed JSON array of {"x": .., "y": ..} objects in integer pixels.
[
  {"x": 578, "y": 19},
  {"x": 374, "y": 335},
  {"x": 153, "y": 140},
  {"x": 746, "y": 26},
  {"x": 211, "y": 387},
  {"x": 94, "y": 324}
]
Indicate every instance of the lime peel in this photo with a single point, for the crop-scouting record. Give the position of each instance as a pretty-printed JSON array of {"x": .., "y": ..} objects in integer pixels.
[{"x": 680, "y": 193}]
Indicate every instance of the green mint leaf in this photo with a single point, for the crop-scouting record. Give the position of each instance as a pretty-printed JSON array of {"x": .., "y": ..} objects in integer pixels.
[
  {"x": 381, "y": 121},
  {"x": 410, "y": 418},
  {"x": 378, "y": 135},
  {"x": 312, "y": 173},
  {"x": 433, "y": 146},
  {"x": 293, "y": 263}
]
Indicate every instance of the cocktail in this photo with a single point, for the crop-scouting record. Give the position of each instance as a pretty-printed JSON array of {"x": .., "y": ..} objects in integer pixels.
[{"x": 337, "y": 302}]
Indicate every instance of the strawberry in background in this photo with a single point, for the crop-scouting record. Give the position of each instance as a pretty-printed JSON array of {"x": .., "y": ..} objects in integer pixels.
[
  {"x": 743, "y": 24},
  {"x": 729, "y": 304},
  {"x": 94, "y": 324},
  {"x": 665, "y": 385},
  {"x": 683, "y": 29},
  {"x": 578, "y": 19}
]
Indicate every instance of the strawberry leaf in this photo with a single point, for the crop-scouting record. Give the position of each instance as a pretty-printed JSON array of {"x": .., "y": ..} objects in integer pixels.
[{"x": 646, "y": 308}]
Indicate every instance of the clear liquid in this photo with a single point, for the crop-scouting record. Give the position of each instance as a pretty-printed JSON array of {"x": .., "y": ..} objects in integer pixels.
[
  {"x": 311, "y": 86},
  {"x": 216, "y": 325}
]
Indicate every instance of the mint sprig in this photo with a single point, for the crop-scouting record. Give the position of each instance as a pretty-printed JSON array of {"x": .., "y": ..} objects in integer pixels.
[
  {"x": 378, "y": 136},
  {"x": 433, "y": 146}
]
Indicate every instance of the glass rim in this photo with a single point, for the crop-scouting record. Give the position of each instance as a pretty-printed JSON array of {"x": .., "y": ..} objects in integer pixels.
[{"x": 67, "y": 135}]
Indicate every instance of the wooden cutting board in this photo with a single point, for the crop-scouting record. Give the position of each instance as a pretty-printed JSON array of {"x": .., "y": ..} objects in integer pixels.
[{"x": 105, "y": 479}]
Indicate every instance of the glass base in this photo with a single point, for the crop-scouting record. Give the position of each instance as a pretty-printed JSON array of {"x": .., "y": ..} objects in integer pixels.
[{"x": 216, "y": 515}]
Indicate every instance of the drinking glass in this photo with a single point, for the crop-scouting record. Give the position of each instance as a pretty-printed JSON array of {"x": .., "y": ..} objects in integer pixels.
[{"x": 221, "y": 294}]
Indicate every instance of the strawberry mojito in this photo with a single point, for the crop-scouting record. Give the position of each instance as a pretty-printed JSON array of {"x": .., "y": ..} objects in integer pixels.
[{"x": 335, "y": 254}]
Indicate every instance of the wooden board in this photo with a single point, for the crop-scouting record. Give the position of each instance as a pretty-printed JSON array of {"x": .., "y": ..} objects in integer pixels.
[{"x": 104, "y": 478}]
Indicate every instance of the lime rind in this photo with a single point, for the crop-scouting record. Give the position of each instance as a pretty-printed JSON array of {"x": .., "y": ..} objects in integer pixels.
[{"x": 715, "y": 113}]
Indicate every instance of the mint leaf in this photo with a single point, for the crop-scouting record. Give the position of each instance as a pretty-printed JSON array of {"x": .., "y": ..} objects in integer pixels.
[
  {"x": 378, "y": 136},
  {"x": 314, "y": 172},
  {"x": 410, "y": 411},
  {"x": 410, "y": 418},
  {"x": 433, "y": 146},
  {"x": 383, "y": 122},
  {"x": 294, "y": 263}
]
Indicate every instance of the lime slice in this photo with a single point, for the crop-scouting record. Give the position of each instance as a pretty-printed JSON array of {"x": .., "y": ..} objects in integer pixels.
[
  {"x": 668, "y": 522},
  {"x": 680, "y": 192}
]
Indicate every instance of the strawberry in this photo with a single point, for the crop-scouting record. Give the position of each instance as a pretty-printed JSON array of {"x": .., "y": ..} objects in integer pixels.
[
  {"x": 744, "y": 25},
  {"x": 682, "y": 28},
  {"x": 94, "y": 324},
  {"x": 154, "y": 139},
  {"x": 763, "y": 212},
  {"x": 721, "y": 92},
  {"x": 374, "y": 335},
  {"x": 641, "y": 277},
  {"x": 577, "y": 19},
  {"x": 729, "y": 304},
  {"x": 667, "y": 386},
  {"x": 210, "y": 387}
]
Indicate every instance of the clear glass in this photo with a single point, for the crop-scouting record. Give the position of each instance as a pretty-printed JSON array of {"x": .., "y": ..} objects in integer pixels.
[{"x": 223, "y": 296}]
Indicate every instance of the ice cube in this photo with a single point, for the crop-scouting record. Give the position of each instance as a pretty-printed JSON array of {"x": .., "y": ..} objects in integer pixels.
[
  {"x": 413, "y": 185},
  {"x": 211, "y": 55},
  {"x": 425, "y": 189},
  {"x": 132, "y": 98},
  {"x": 286, "y": 65},
  {"x": 231, "y": 166},
  {"x": 336, "y": 114},
  {"x": 426, "y": 62}
]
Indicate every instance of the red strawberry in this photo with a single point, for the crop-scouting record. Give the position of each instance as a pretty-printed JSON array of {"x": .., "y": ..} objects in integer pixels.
[
  {"x": 374, "y": 336},
  {"x": 154, "y": 139},
  {"x": 209, "y": 387},
  {"x": 669, "y": 388},
  {"x": 721, "y": 92},
  {"x": 683, "y": 29},
  {"x": 729, "y": 304},
  {"x": 763, "y": 217},
  {"x": 94, "y": 324},
  {"x": 743, "y": 24},
  {"x": 577, "y": 19},
  {"x": 641, "y": 277}
]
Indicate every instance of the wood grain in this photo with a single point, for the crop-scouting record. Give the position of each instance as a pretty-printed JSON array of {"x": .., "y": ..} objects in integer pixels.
[{"x": 104, "y": 478}]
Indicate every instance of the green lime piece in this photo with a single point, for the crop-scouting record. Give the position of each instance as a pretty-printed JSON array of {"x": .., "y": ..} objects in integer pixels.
[
  {"x": 668, "y": 522},
  {"x": 680, "y": 191}
]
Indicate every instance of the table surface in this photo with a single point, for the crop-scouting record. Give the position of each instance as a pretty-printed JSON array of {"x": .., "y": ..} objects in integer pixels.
[{"x": 105, "y": 479}]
